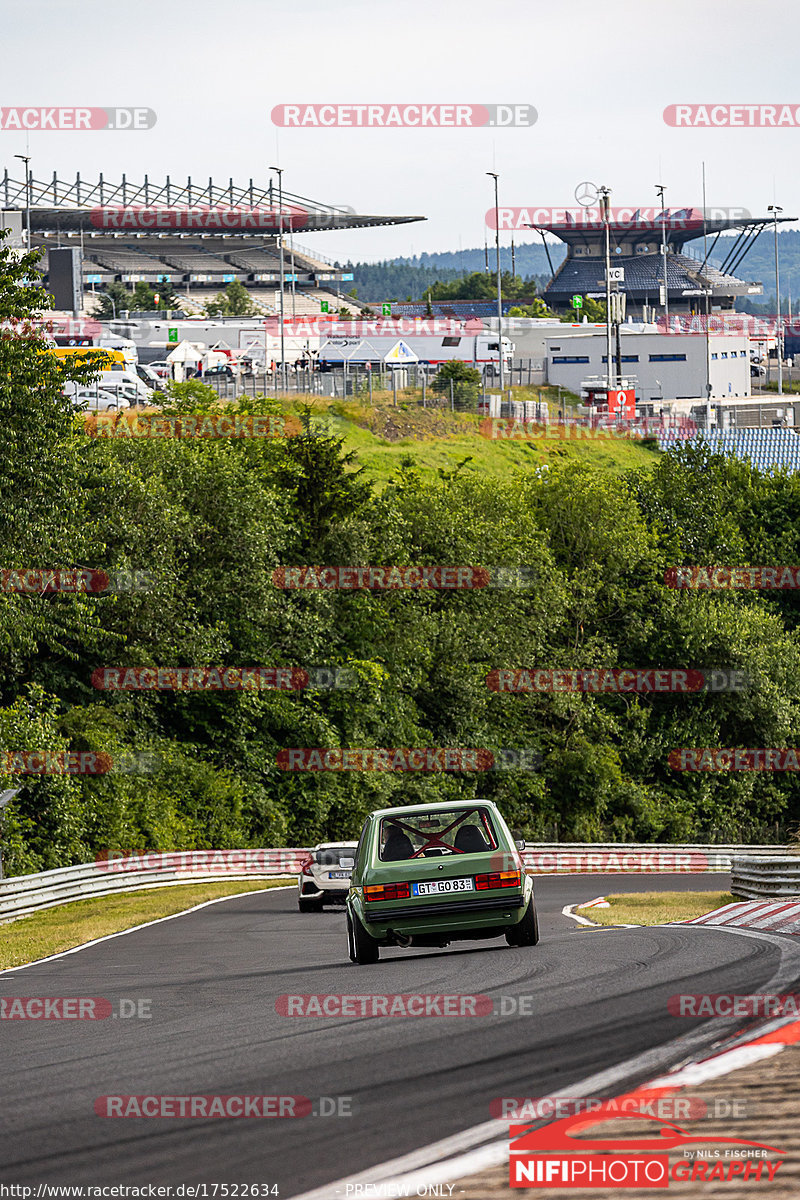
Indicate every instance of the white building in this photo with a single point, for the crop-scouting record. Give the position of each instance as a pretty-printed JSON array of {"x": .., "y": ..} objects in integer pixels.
[{"x": 671, "y": 367}]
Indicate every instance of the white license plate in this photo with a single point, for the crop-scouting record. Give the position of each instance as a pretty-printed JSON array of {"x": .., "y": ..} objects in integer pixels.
[
  {"x": 437, "y": 886},
  {"x": 339, "y": 874}
]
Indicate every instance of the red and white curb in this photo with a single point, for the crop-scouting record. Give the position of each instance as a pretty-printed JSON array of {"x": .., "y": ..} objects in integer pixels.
[
  {"x": 773, "y": 916},
  {"x": 778, "y": 916}
]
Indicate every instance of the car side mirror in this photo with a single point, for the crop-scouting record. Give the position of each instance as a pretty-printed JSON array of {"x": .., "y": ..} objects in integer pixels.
[
  {"x": 347, "y": 862},
  {"x": 520, "y": 843}
]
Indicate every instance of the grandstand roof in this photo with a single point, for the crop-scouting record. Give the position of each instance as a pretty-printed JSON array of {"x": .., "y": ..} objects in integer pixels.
[
  {"x": 125, "y": 207},
  {"x": 680, "y": 225}
]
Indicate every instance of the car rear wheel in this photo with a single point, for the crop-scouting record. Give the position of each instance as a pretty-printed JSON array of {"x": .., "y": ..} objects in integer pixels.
[
  {"x": 362, "y": 947},
  {"x": 526, "y": 933},
  {"x": 309, "y": 905}
]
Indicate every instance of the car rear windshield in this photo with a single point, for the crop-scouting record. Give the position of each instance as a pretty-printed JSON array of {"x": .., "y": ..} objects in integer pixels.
[
  {"x": 333, "y": 857},
  {"x": 436, "y": 834}
]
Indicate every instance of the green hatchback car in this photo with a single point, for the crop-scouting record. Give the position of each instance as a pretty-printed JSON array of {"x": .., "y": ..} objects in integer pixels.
[{"x": 430, "y": 874}]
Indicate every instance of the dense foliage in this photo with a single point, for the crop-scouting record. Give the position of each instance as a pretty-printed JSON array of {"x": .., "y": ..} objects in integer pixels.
[{"x": 208, "y": 520}]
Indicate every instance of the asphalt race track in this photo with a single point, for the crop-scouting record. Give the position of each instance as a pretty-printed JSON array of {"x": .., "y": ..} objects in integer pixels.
[{"x": 213, "y": 976}]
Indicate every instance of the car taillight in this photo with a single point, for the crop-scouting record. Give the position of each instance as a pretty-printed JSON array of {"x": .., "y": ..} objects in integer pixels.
[
  {"x": 498, "y": 879},
  {"x": 306, "y": 867},
  {"x": 389, "y": 891}
]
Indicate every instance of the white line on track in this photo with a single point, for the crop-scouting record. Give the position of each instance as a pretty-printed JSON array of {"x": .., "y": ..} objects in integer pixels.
[{"x": 145, "y": 925}]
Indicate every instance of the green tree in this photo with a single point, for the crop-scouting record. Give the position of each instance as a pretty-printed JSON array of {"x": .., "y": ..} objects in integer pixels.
[
  {"x": 233, "y": 302},
  {"x": 114, "y": 299},
  {"x": 466, "y": 381},
  {"x": 536, "y": 308},
  {"x": 593, "y": 310}
]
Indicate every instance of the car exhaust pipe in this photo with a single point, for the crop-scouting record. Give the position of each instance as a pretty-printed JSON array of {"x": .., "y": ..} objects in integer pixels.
[{"x": 402, "y": 939}]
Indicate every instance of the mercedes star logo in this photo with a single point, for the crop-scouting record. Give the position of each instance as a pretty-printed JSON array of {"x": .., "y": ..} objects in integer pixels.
[{"x": 586, "y": 193}]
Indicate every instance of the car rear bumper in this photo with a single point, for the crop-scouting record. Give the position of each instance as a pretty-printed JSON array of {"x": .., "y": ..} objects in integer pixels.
[{"x": 448, "y": 908}]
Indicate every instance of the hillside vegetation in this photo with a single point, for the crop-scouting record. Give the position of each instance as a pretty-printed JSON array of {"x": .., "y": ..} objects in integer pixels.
[{"x": 192, "y": 531}]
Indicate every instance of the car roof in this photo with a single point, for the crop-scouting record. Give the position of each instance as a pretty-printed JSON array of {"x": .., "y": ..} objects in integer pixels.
[
  {"x": 450, "y": 805},
  {"x": 331, "y": 845}
]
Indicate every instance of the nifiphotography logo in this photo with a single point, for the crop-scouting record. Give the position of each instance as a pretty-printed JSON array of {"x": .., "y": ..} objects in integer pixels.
[{"x": 553, "y": 1157}]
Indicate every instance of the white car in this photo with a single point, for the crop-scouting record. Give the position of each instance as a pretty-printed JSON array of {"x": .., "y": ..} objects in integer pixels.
[
  {"x": 96, "y": 399},
  {"x": 325, "y": 878}
]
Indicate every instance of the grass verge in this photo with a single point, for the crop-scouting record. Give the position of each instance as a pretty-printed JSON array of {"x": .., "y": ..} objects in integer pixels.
[
  {"x": 71, "y": 925},
  {"x": 655, "y": 908}
]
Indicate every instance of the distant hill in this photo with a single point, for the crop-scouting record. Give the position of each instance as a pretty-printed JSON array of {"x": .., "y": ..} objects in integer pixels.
[
  {"x": 401, "y": 278},
  {"x": 404, "y": 277}
]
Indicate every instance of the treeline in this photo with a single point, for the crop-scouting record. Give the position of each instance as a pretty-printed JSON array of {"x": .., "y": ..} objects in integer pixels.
[
  {"x": 204, "y": 523},
  {"x": 404, "y": 278}
]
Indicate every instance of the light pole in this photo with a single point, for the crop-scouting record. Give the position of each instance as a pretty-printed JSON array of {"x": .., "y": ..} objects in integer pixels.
[
  {"x": 661, "y": 189},
  {"x": 604, "y": 194},
  {"x": 775, "y": 209},
  {"x": 499, "y": 284},
  {"x": 279, "y": 172},
  {"x": 26, "y": 158},
  {"x": 5, "y": 797}
]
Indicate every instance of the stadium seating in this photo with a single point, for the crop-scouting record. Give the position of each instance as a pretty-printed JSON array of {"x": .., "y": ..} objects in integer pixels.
[
  {"x": 644, "y": 274},
  {"x": 767, "y": 449}
]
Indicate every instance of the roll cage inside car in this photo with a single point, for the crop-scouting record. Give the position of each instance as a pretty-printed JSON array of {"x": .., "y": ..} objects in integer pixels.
[{"x": 436, "y": 840}]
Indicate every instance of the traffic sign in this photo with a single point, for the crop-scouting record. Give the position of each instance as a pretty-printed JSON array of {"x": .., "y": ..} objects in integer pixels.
[
  {"x": 616, "y": 274},
  {"x": 577, "y": 301},
  {"x": 172, "y": 335},
  {"x": 386, "y": 310},
  {"x": 323, "y": 306}
]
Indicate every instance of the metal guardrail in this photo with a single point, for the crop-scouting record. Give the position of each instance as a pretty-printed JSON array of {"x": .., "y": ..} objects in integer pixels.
[
  {"x": 22, "y": 895},
  {"x": 638, "y": 857},
  {"x": 756, "y": 876}
]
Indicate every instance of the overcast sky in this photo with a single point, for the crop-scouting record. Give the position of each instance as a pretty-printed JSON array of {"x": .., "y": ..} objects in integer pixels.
[{"x": 599, "y": 75}]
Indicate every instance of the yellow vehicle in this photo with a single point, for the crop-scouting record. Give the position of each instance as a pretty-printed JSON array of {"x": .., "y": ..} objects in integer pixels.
[{"x": 107, "y": 360}]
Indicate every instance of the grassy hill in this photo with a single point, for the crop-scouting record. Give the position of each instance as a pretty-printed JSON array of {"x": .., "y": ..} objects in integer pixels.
[{"x": 435, "y": 439}]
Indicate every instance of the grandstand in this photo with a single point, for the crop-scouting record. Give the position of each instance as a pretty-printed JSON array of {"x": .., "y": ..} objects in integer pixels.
[
  {"x": 635, "y": 241},
  {"x": 195, "y": 238},
  {"x": 768, "y": 449}
]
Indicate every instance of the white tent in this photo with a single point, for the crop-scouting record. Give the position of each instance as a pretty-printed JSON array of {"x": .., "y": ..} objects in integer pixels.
[{"x": 185, "y": 354}]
